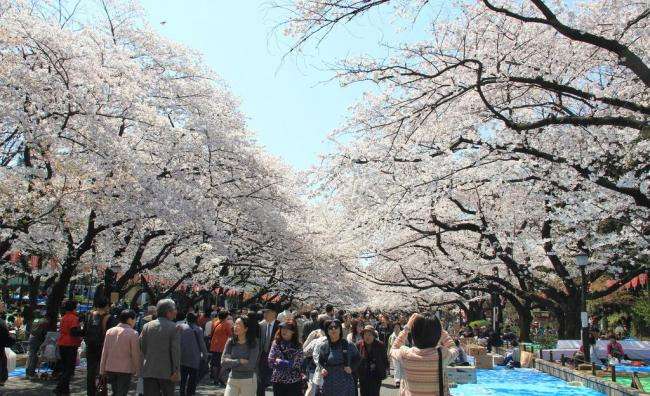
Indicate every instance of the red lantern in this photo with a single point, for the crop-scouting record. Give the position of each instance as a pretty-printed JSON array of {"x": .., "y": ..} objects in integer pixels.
[
  {"x": 33, "y": 262},
  {"x": 14, "y": 256}
]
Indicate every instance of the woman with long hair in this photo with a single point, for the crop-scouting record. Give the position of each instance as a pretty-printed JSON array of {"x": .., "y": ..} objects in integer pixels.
[
  {"x": 354, "y": 336},
  {"x": 285, "y": 359},
  {"x": 241, "y": 355},
  {"x": 337, "y": 360},
  {"x": 423, "y": 365}
]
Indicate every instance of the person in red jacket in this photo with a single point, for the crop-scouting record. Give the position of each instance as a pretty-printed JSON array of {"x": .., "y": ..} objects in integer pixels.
[
  {"x": 221, "y": 331},
  {"x": 68, "y": 342}
]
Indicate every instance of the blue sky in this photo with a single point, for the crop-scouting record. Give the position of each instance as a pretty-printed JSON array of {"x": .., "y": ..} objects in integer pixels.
[{"x": 288, "y": 104}]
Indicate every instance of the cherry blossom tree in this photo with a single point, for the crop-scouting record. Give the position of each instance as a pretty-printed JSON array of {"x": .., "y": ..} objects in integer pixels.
[
  {"x": 514, "y": 136},
  {"x": 123, "y": 150}
]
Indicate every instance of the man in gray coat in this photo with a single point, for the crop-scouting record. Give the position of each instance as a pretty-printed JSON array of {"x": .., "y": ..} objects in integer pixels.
[
  {"x": 160, "y": 346},
  {"x": 268, "y": 327}
]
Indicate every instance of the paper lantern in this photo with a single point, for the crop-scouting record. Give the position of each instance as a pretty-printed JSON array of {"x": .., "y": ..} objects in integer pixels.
[
  {"x": 33, "y": 262},
  {"x": 14, "y": 256}
]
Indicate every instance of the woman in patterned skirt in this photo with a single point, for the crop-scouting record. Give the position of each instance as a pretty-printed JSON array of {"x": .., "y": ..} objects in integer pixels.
[{"x": 337, "y": 359}]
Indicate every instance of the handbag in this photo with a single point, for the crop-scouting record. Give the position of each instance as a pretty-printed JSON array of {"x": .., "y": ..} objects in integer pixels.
[{"x": 101, "y": 385}]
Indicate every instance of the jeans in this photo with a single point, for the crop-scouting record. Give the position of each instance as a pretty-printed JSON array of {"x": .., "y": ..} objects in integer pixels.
[
  {"x": 120, "y": 383},
  {"x": 188, "y": 380},
  {"x": 93, "y": 358},
  {"x": 158, "y": 387},
  {"x": 67, "y": 363},
  {"x": 294, "y": 389},
  {"x": 32, "y": 357}
]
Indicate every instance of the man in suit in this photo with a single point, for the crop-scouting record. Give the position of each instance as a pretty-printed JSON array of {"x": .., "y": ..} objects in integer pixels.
[
  {"x": 160, "y": 346},
  {"x": 268, "y": 327}
]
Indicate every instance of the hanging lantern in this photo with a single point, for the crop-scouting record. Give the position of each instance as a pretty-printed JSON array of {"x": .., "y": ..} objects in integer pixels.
[
  {"x": 54, "y": 263},
  {"x": 14, "y": 256},
  {"x": 33, "y": 262}
]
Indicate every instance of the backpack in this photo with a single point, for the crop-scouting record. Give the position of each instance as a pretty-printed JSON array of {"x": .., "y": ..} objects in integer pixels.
[{"x": 94, "y": 330}]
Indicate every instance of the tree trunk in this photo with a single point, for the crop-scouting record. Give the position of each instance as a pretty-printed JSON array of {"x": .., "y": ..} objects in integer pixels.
[
  {"x": 34, "y": 285},
  {"x": 568, "y": 323},
  {"x": 475, "y": 311},
  {"x": 572, "y": 324},
  {"x": 56, "y": 296},
  {"x": 524, "y": 321},
  {"x": 6, "y": 295}
]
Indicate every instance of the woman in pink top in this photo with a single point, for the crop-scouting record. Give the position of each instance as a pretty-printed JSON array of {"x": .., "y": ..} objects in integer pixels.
[
  {"x": 121, "y": 354},
  {"x": 420, "y": 364}
]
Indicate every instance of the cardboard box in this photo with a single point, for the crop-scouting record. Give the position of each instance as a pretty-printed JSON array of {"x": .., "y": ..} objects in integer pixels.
[
  {"x": 461, "y": 374},
  {"x": 497, "y": 359},
  {"x": 484, "y": 362},
  {"x": 476, "y": 350}
]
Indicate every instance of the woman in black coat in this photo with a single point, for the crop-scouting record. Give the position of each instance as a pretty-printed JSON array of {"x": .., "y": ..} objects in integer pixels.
[{"x": 374, "y": 362}]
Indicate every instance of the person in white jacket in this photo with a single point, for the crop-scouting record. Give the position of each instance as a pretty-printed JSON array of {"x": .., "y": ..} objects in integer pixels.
[{"x": 312, "y": 344}]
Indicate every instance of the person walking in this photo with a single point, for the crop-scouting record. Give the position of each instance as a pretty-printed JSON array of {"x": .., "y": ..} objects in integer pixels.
[
  {"x": 68, "y": 342},
  {"x": 397, "y": 368},
  {"x": 374, "y": 362},
  {"x": 160, "y": 346},
  {"x": 310, "y": 326},
  {"x": 337, "y": 360},
  {"x": 240, "y": 356},
  {"x": 36, "y": 339},
  {"x": 268, "y": 328},
  {"x": 383, "y": 328},
  {"x": 312, "y": 343},
  {"x": 94, "y": 331},
  {"x": 221, "y": 331},
  {"x": 193, "y": 354},
  {"x": 6, "y": 340},
  {"x": 422, "y": 363},
  {"x": 207, "y": 329},
  {"x": 121, "y": 358},
  {"x": 285, "y": 359},
  {"x": 354, "y": 336}
]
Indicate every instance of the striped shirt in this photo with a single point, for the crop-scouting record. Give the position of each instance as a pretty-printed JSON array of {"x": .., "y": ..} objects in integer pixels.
[{"x": 420, "y": 366}]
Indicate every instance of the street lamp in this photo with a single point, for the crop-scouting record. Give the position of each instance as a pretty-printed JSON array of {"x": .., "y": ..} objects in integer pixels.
[
  {"x": 582, "y": 260},
  {"x": 495, "y": 302}
]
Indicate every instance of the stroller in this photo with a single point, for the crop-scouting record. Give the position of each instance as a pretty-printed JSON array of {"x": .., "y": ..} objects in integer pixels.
[{"x": 48, "y": 355}]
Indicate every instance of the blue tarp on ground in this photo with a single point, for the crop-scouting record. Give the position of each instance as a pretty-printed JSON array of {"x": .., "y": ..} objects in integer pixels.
[{"x": 519, "y": 382}]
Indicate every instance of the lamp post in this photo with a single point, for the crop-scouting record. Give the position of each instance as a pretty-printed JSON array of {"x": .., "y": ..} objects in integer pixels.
[
  {"x": 495, "y": 303},
  {"x": 582, "y": 260}
]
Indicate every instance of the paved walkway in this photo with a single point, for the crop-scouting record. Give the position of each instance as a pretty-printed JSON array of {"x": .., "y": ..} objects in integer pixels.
[{"x": 22, "y": 387}]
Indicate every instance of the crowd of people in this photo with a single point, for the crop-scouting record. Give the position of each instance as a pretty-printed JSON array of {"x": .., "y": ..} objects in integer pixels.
[{"x": 246, "y": 352}]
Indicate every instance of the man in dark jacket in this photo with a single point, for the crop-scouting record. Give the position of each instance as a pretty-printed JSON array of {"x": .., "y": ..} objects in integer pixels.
[
  {"x": 95, "y": 327},
  {"x": 267, "y": 330},
  {"x": 308, "y": 327}
]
